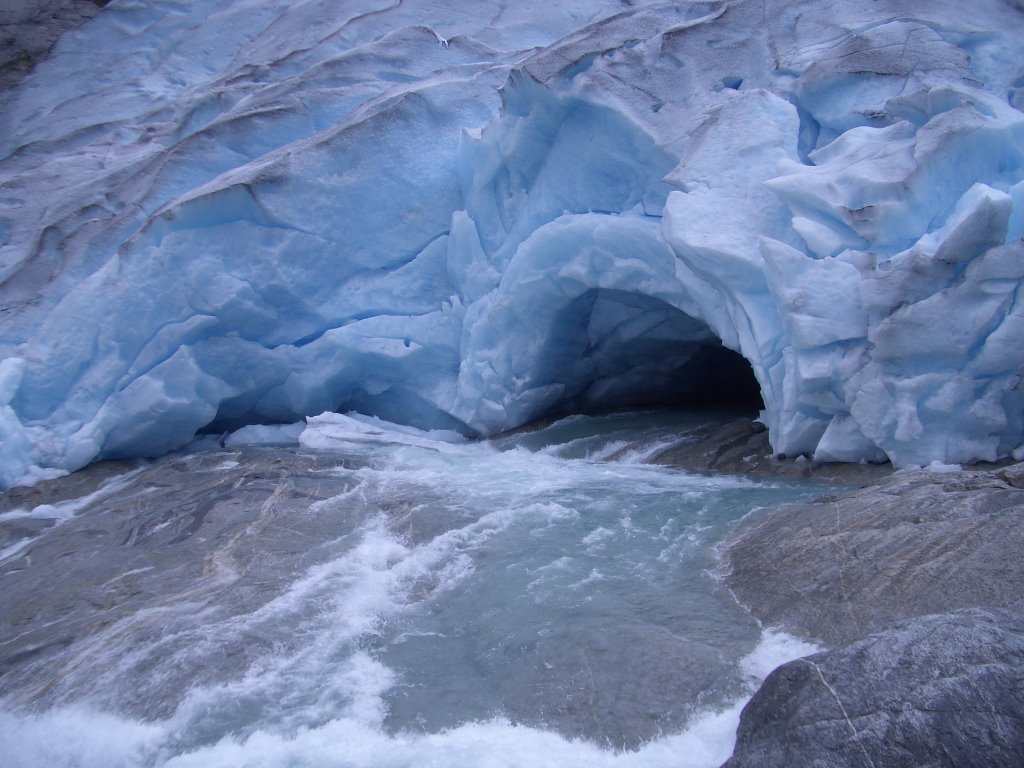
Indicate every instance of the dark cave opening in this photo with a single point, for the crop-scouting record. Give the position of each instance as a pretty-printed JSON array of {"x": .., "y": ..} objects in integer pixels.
[
  {"x": 615, "y": 350},
  {"x": 717, "y": 377},
  {"x": 716, "y": 380}
]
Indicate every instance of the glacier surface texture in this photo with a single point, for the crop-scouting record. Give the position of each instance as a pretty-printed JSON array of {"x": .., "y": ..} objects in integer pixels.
[{"x": 466, "y": 215}]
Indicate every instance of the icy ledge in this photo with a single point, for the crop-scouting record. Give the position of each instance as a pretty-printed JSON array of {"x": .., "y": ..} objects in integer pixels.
[{"x": 247, "y": 213}]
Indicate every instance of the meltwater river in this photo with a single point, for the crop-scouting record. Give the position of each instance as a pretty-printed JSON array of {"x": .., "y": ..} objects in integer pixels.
[{"x": 393, "y": 598}]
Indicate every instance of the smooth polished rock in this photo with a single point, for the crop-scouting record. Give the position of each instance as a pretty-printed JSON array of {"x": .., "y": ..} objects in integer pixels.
[{"x": 918, "y": 543}]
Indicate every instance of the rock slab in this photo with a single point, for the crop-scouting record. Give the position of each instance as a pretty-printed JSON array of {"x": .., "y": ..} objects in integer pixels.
[{"x": 915, "y": 544}]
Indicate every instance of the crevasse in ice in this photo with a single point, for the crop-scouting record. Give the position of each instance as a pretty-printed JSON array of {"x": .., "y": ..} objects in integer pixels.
[{"x": 463, "y": 215}]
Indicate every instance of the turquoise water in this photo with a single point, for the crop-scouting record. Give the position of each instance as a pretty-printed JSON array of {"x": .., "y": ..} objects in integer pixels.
[{"x": 542, "y": 599}]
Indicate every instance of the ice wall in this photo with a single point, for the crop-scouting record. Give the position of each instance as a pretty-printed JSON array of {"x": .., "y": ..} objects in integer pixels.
[{"x": 463, "y": 215}]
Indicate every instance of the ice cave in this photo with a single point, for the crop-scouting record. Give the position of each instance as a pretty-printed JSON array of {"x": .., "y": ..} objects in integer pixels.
[{"x": 233, "y": 213}]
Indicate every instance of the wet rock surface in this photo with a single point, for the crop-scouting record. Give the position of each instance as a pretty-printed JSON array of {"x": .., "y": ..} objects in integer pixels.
[
  {"x": 740, "y": 445},
  {"x": 128, "y": 549},
  {"x": 915, "y": 544},
  {"x": 142, "y": 571},
  {"x": 945, "y": 690}
]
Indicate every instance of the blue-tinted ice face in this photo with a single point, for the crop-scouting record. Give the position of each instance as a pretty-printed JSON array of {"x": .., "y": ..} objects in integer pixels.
[{"x": 244, "y": 212}]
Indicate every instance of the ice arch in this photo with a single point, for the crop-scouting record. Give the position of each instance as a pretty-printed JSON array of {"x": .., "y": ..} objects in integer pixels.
[{"x": 591, "y": 312}]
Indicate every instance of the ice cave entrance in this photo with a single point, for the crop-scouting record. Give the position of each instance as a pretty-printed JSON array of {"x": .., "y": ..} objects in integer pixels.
[
  {"x": 612, "y": 350},
  {"x": 593, "y": 352}
]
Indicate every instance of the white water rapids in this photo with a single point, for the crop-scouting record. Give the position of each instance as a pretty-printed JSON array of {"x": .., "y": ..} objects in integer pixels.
[{"x": 541, "y": 599}]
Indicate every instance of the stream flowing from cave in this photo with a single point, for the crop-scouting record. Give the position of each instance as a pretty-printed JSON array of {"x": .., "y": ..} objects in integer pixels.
[{"x": 545, "y": 598}]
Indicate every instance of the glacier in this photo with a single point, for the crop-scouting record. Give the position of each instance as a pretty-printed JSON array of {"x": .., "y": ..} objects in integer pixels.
[{"x": 467, "y": 215}]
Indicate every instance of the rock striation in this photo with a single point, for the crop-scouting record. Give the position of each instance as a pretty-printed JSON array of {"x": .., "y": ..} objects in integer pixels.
[{"x": 916, "y": 543}]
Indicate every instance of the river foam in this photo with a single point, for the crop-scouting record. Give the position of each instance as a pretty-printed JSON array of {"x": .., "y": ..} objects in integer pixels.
[{"x": 521, "y": 602}]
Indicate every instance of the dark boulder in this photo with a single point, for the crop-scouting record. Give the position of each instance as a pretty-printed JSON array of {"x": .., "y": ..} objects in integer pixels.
[{"x": 942, "y": 690}]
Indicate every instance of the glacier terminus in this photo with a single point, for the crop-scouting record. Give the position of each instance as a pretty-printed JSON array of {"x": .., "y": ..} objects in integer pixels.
[{"x": 467, "y": 215}]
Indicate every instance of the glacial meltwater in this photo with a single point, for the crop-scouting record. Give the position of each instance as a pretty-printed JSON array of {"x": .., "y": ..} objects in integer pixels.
[{"x": 379, "y": 596}]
